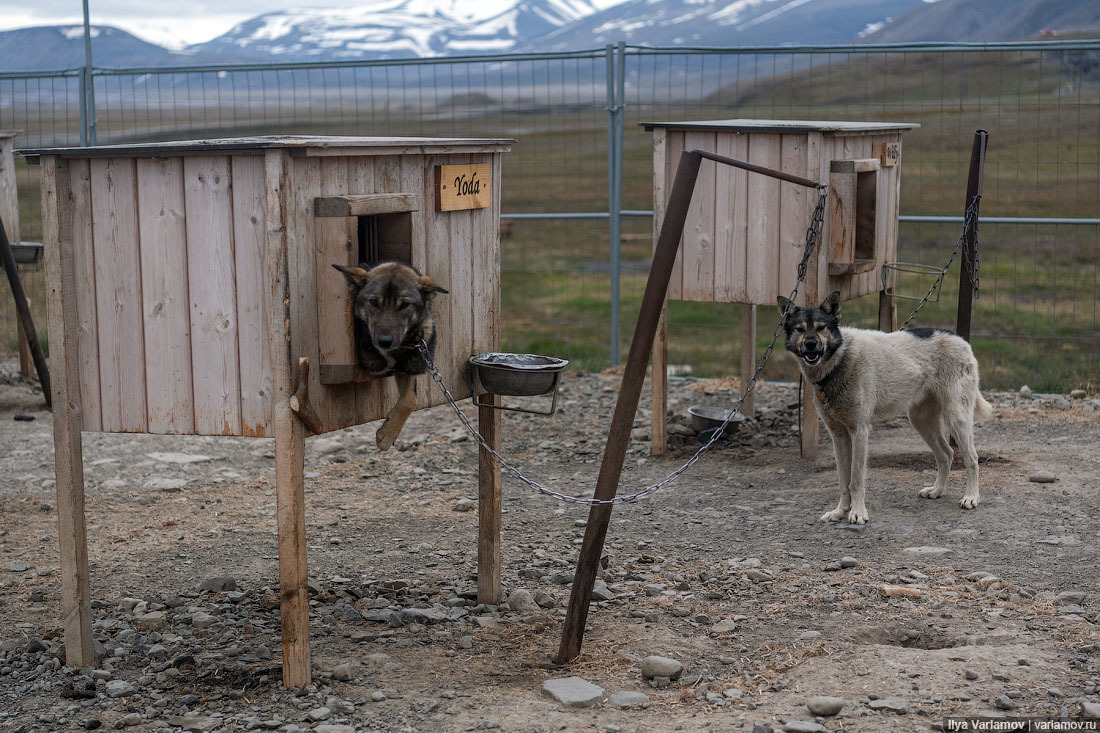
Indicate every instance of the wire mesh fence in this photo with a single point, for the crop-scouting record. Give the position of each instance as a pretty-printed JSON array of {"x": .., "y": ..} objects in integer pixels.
[{"x": 1037, "y": 317}]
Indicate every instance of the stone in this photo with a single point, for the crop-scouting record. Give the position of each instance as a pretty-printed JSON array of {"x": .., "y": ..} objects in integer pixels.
[
  {"x": 319, "y": 714},
  {"x": 600, "y": 592},
  {"x": 802, "y": 726},
  {"x": 573, "y": 692},
  {"x": 927, "y": 551},
  {"x": 809, "y": 635},
  {"x": 626, "y": 699},
  {"x": 724, "y": 626},
  {"x": 1026, "y": 392},
  {"x": 1090, "y": 710},
  {"x": 202, "y": 620},
  {"x": 343, "y": 672},
  {"x": 195, "y": 723},
  {"x": 521, "y": 601},
  {"x": 655, "y": 666},
  {"x": 464, "y": 505},
  {"x": 1042, "y": 477},
  {"x": 218, "y": 585},
  {"x": 333, "y": 728},
  {"x": 733, "y": 693},
  {"x": 971, "y": 674},
  {"x": 181, "y": 458},
  {"x": 893, "y": 704},
  {"x": 1004, "y": 702},
  {"x": 848, "y": 562},
  {"x": 1070, "y": 598},
  {"x": 1078, "y": 394},
  {"x": 119, "y": 688},
  {"x": 825, "y": 705},
  {"x": 151, "y": 621}
]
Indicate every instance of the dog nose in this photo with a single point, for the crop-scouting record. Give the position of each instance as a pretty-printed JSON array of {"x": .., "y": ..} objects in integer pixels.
[
  {"x": 385, "y": 341},
  {"x": 811, "y": 344}
]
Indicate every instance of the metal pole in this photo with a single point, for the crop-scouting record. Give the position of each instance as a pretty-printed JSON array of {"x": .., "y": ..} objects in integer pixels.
[
  {"x": 87, "y": 131},
  {"x": 615, "y": 87},
  {"x": 630, "y": 390},
  {"x": 7, "y": 260},
  {"x": 970, "y": 235}
]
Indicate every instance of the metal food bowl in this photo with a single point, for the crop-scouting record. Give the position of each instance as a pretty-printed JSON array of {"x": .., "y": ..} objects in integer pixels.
[
  {"x": 705, "y": 419},
  {"x": 517, "y": 375}
]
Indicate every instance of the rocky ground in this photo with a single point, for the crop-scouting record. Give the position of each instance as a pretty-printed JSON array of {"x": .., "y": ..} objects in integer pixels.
[{"x": 724, "y": 604}]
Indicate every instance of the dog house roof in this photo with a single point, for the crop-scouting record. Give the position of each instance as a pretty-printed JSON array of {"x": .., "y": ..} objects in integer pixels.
[
  {"x": 297, "y": 144},
  {"x": 750, "y": 125}
]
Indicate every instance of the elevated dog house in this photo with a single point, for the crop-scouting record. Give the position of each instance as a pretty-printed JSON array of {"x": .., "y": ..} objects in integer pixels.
[
  {"x": 745, "y": 233},
  {"x": 188, "y": 280}
]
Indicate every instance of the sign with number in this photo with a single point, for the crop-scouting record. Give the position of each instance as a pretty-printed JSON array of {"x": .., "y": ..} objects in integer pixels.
[{"x": 459, "y": 187}]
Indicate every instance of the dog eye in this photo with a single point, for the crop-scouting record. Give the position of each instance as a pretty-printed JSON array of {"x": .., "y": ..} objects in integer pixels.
[{"x": 374, "y": 302}]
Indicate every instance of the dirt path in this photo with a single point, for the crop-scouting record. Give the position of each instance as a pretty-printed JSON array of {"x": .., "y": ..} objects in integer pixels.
[{"x": 727, "y": 571}]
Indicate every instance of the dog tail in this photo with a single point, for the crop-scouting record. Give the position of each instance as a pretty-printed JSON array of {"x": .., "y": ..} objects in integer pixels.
[{"x": 982, "y": 409}]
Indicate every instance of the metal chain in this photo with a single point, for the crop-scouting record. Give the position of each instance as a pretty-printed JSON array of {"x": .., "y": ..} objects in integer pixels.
[
  {"x": 813, "y": 234},
  {"x": 970, "y": 220}
]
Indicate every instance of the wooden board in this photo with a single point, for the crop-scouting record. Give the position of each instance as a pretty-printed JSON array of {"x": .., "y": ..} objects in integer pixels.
[
  {"x": 118, "y": 294},
  {"x": 165, "y": 295},
  {"x": 731, "y": 221},
  {"x": 697, "y": 244},
  {"x": 9, "y": 192},
  {"x": 463, "y": 186},
  {"x": 763, "y": 226},
  {"x": 253, "y": 294},
  {"x": 796, "y": 204},
  {"x": 365, "y": 204},
  {"x": 211, "y": 271},
  {"x": 86, "y": 341}
]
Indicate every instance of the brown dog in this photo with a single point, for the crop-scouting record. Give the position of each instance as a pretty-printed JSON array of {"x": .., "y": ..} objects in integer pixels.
[{"x": 392, "y": 310}]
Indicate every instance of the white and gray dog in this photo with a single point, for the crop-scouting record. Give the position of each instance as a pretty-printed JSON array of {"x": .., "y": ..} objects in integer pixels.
[{"x": 861, "y": 376}]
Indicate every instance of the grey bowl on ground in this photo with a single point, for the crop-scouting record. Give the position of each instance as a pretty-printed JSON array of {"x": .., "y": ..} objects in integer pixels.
[
  {"x": 711, "y": 418},
  {"x": 517, "y": 374}
]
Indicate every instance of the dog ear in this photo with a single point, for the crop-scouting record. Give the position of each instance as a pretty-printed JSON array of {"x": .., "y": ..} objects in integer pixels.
[
  {"x": 831, "y": 306},
  {"x": 428, "y": 287},
  {"x": 355, "y": 276},
  {"x": 786, "y": 307}
]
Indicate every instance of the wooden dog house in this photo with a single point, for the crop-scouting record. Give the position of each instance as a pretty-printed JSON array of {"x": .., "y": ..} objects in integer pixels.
[
  {"x": 188, "y": 279},
  {"x": 745, "y": 233}
]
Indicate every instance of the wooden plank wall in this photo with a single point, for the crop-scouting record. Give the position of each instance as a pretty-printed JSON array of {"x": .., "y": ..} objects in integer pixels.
[
  {"x": 745, "y": 233},
  {"x": 172, "y": 308}
]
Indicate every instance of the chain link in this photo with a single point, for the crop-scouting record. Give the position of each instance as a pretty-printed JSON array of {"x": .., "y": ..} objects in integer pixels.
[
  {"x": 970, "y": 220},
  {"x": 813, "y": 234}
]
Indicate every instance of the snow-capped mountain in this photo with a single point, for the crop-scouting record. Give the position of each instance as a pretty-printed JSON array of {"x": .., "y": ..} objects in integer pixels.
[{"x": 401, "y": 28}]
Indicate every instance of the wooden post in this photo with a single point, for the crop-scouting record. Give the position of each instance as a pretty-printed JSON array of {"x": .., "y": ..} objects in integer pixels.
[
  {"x": 630, "y": 390},
  {"x": 67, "y": 422},
  {"x": 289, "y": 434},
  {"x": 23, "y": 309},
  {"x": 488, "y": 504},
  {"x": 748, "y": 355},
  {"x": 970, "y": 235},
  {"x": 658, "y": 376},
  {"x": 887, "y": 310}
]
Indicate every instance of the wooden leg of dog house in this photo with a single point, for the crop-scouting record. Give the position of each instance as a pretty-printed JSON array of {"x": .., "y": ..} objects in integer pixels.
[
  {"x": 67, "y": 422},
  {"x": 887, "y": 311},
  {"x": 489, "y": 505},
  {"x": 658, "y": 436},
  {"x": 748, "y": 355},
  {"x": 291, "y": 522}
]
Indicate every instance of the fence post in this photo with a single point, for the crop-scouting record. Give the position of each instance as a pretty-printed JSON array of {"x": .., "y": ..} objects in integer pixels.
[
  {"x": 616, "y": 82},
  {"x": 87, "y": 87}
]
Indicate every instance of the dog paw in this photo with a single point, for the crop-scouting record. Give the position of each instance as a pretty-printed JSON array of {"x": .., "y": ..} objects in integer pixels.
[
  {"x": 383, "y": 439},
  {"x": 857, "y": 516},
  {"x": 834, "y": 516},
  {"x": 969, "y": 502},
  {"x": 931, "y": 492}
]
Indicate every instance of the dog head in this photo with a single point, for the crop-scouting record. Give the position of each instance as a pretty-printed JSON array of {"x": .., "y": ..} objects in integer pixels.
[
  {"x": 392, "y": 301},
  {"x": 813, "y": 334}
]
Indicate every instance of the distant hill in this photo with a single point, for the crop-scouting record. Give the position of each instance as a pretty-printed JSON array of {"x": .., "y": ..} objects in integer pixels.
[{"x": 990, "y": 20}]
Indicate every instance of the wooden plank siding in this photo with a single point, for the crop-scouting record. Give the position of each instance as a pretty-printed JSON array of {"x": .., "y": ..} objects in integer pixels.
[
  {"x": 87, "y": 328},
  {"x": 165, "y": 295},
  {"x": 253, "y": 294},
  {"x": 215, "y": 358},
  {"x": 697, "y": 244},
  {"x": 118, "y": 295}
]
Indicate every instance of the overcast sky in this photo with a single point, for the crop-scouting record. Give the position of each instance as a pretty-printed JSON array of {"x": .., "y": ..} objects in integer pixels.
[{"x": 171, "y": 24}]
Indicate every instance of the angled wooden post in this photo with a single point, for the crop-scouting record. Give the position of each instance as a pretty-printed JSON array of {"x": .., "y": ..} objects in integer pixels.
[
  {"x": 630, "y": 390},
  {"x": 970, "y": 235}
]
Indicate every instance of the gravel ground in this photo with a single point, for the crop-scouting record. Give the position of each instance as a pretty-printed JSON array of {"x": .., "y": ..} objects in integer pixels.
[{"x": 724, "y": 604}]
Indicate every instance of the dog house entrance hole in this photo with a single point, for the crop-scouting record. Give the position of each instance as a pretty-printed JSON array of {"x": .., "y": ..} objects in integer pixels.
[
  {"x": 355, "y": 230},
  {"x": 854, "y": 191}
]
